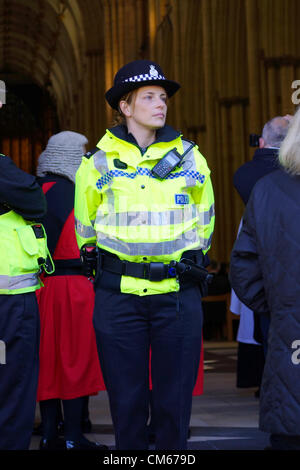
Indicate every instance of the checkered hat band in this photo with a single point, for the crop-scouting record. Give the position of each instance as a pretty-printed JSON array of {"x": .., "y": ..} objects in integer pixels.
[
  {"x": 144, "y": 78},
  {"x": 110, "y": 175}
]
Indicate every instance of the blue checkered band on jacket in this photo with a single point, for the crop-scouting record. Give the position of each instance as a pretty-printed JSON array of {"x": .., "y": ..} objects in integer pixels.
[
  {"x": 108, "y": 177},
  {"x": 143, "y": 78}
]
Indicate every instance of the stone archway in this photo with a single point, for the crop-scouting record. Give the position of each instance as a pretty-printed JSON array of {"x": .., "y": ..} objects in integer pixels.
[
  {"x": 51, "y": 44},
  {"x": 27, "y": 120}
]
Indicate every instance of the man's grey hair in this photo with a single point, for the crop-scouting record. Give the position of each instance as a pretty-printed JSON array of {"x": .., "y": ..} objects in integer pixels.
[{"x": 274, "y": 131}]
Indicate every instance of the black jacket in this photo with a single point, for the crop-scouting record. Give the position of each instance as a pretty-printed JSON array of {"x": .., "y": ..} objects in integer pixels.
[
  {"x": 20, "y": 191},
  {"x": 265, "y": 274},
  {"x": 264, "y": 161}
]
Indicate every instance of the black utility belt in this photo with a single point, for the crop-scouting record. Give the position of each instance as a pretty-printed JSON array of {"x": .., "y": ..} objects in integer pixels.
[
  {"x": 67, "y": 267},
  {"x": 151, "y": 271},
  {"x": 154, "y": 271}
]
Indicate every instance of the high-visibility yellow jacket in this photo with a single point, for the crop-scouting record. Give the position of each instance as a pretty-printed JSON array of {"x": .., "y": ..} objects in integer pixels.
[
  {"x": 123, "y": 208},
  {"x": 21, "y": 252}
]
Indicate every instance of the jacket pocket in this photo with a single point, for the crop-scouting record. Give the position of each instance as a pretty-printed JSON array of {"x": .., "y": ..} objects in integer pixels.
[{"x": 28, "y": 240}]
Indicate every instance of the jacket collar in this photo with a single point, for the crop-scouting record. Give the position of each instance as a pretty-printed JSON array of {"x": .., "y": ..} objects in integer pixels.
[
  {"x": 164, "y": 134},
  {"x": 265, "y": 153}
]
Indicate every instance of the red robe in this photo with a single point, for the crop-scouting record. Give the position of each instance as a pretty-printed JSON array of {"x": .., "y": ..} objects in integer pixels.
[{"x": 69, "y": 364}]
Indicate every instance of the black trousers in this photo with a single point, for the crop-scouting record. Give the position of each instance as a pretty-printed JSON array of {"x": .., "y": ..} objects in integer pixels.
[
  {"x": 285, "y": 442},
  {"x": 19, "y": 335},
  {"x": 127, "y": 326}
]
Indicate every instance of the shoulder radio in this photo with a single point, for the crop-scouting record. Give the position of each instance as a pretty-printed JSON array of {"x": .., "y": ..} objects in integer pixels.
[{"x": 169, "y": 162}]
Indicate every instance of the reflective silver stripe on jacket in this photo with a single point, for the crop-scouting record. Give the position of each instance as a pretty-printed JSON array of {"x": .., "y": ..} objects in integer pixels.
[
  {"x": 205, "y": 217},
  {"x": 177, "y": 216},
  {"x": 100, "y": 162},
  {"x": 189, "y": 163},
  {"x": 154, "y": 249},
  {"x": 84, "y": 231},
  {"x": 18, "y": 282},
  {"x": 122, "y": 219}
]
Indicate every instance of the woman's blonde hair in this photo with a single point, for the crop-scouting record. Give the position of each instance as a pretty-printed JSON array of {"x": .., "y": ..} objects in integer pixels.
[
  {"x": 289, "y": 152},
  {"x": 118, "y": 116}
]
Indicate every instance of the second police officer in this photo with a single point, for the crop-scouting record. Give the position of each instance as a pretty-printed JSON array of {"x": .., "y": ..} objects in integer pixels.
[
  {"x": 144, "y": 220},
  {"x": 23, "y": 253}
]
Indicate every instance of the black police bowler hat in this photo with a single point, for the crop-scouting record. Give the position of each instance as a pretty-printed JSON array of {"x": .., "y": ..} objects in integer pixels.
[{"x": 135, "y": 75}]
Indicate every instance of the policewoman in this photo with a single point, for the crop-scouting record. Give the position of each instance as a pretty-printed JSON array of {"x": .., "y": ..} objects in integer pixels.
[
  {"x": 23, "y": 250},
  {"x": 149, "y": 223}
]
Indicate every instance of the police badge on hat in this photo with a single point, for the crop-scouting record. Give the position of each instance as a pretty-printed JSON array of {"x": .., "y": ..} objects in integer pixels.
[{"x": 153, "y": 72}]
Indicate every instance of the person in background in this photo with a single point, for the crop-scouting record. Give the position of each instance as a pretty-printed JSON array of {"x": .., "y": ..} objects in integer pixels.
[
  {"x": 265, "y": 158},
  {"x": 264, "y": 274},
  {"x": 253, "y": 328},
  {"x": 144, "y": 222},
  {"x": 69, "y": 364},
  {"x": 22, "y": 247}
]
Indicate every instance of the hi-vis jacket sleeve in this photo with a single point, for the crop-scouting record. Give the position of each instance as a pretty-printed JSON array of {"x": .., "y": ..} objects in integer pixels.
[
  {"x": 203, "y": 196},
  {"x": 87, "y": 200},
  {"x": 246, "y": 276}
]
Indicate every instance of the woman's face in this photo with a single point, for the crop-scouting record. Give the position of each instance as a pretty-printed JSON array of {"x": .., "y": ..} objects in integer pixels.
[{"x": 148, "y": 107}]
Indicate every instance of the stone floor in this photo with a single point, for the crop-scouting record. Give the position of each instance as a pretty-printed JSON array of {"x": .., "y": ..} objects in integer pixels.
[{"x": 223, "y": 417}]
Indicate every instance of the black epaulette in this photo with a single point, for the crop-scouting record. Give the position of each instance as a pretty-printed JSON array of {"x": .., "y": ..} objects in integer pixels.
[{"x": 90, "y": 153}]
